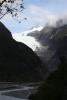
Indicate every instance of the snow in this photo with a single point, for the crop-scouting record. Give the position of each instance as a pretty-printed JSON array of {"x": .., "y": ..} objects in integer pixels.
[
  {"x": 28, "y": 40},
  {"x": 31, "y": 30}
]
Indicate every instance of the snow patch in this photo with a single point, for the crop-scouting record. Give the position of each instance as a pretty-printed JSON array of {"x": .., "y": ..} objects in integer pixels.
[
  {"x": 28, "y": 40},
  {"x": 25, "y": 33}
]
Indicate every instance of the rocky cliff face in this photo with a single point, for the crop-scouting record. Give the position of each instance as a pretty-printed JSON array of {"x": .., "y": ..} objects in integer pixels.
[{"x": 17, "y": 61}]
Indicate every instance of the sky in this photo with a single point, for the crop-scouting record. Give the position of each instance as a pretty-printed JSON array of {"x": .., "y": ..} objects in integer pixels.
[{"x": 38, "y": 13}]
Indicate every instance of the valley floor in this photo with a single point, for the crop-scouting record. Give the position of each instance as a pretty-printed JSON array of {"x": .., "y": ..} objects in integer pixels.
[{"x": 17, "y": 92}]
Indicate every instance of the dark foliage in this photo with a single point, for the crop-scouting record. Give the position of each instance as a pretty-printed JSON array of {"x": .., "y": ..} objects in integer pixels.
[
  {"x": 13, "y": 7},
  {"x": 17, "y": 61}
]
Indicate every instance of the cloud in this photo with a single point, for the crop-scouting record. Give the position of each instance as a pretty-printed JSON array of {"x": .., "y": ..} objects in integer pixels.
[
  {"x": 56, "y": 1},
  {"x": 36, "y": 15},
  {"x": 40, "y": 15}
]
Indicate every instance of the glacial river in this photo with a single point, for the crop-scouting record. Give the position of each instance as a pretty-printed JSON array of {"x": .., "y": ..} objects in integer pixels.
[{"x": 20, "y": 93}]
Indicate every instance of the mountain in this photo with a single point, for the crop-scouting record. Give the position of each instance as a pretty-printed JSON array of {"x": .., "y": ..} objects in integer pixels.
[
  {"x": 52, "y": 45},
  {"x": 28, "y": 40},
  {"x": 17, "y": 61},
  {"x": 33, "y": 29},
  {"x": 55, "y": 87}
]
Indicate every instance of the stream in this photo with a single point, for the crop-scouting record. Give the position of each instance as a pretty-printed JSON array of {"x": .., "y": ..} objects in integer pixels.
[{"x": 20, "y": 92}]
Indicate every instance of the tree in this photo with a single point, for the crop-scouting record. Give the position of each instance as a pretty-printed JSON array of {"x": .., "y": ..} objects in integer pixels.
[{"x": 11, "y": 6}]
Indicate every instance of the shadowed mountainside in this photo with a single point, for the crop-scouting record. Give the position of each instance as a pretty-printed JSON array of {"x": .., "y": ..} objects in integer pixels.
[
  {"x": 17, "y": 61},
  {"x": 55, "y": 87},
  {"x": 53, "y": 42}
]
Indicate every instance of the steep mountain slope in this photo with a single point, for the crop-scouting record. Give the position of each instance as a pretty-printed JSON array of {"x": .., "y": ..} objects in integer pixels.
[
  {"x": 53, "y": 42},
  {"x": 26, "y": 39},
  {"x": 17, "y": 61},
  {"x": 55, "y": 87}
]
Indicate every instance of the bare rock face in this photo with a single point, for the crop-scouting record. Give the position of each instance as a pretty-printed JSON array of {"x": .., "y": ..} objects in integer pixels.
[{"x": 17, "y": 61}]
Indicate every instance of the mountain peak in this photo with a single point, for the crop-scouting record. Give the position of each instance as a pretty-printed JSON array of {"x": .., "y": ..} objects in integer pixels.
[
  {"x": 37, "y": 28},
  {"x": 28, "y": 40},
  {"x": 31, "y": 30}
]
